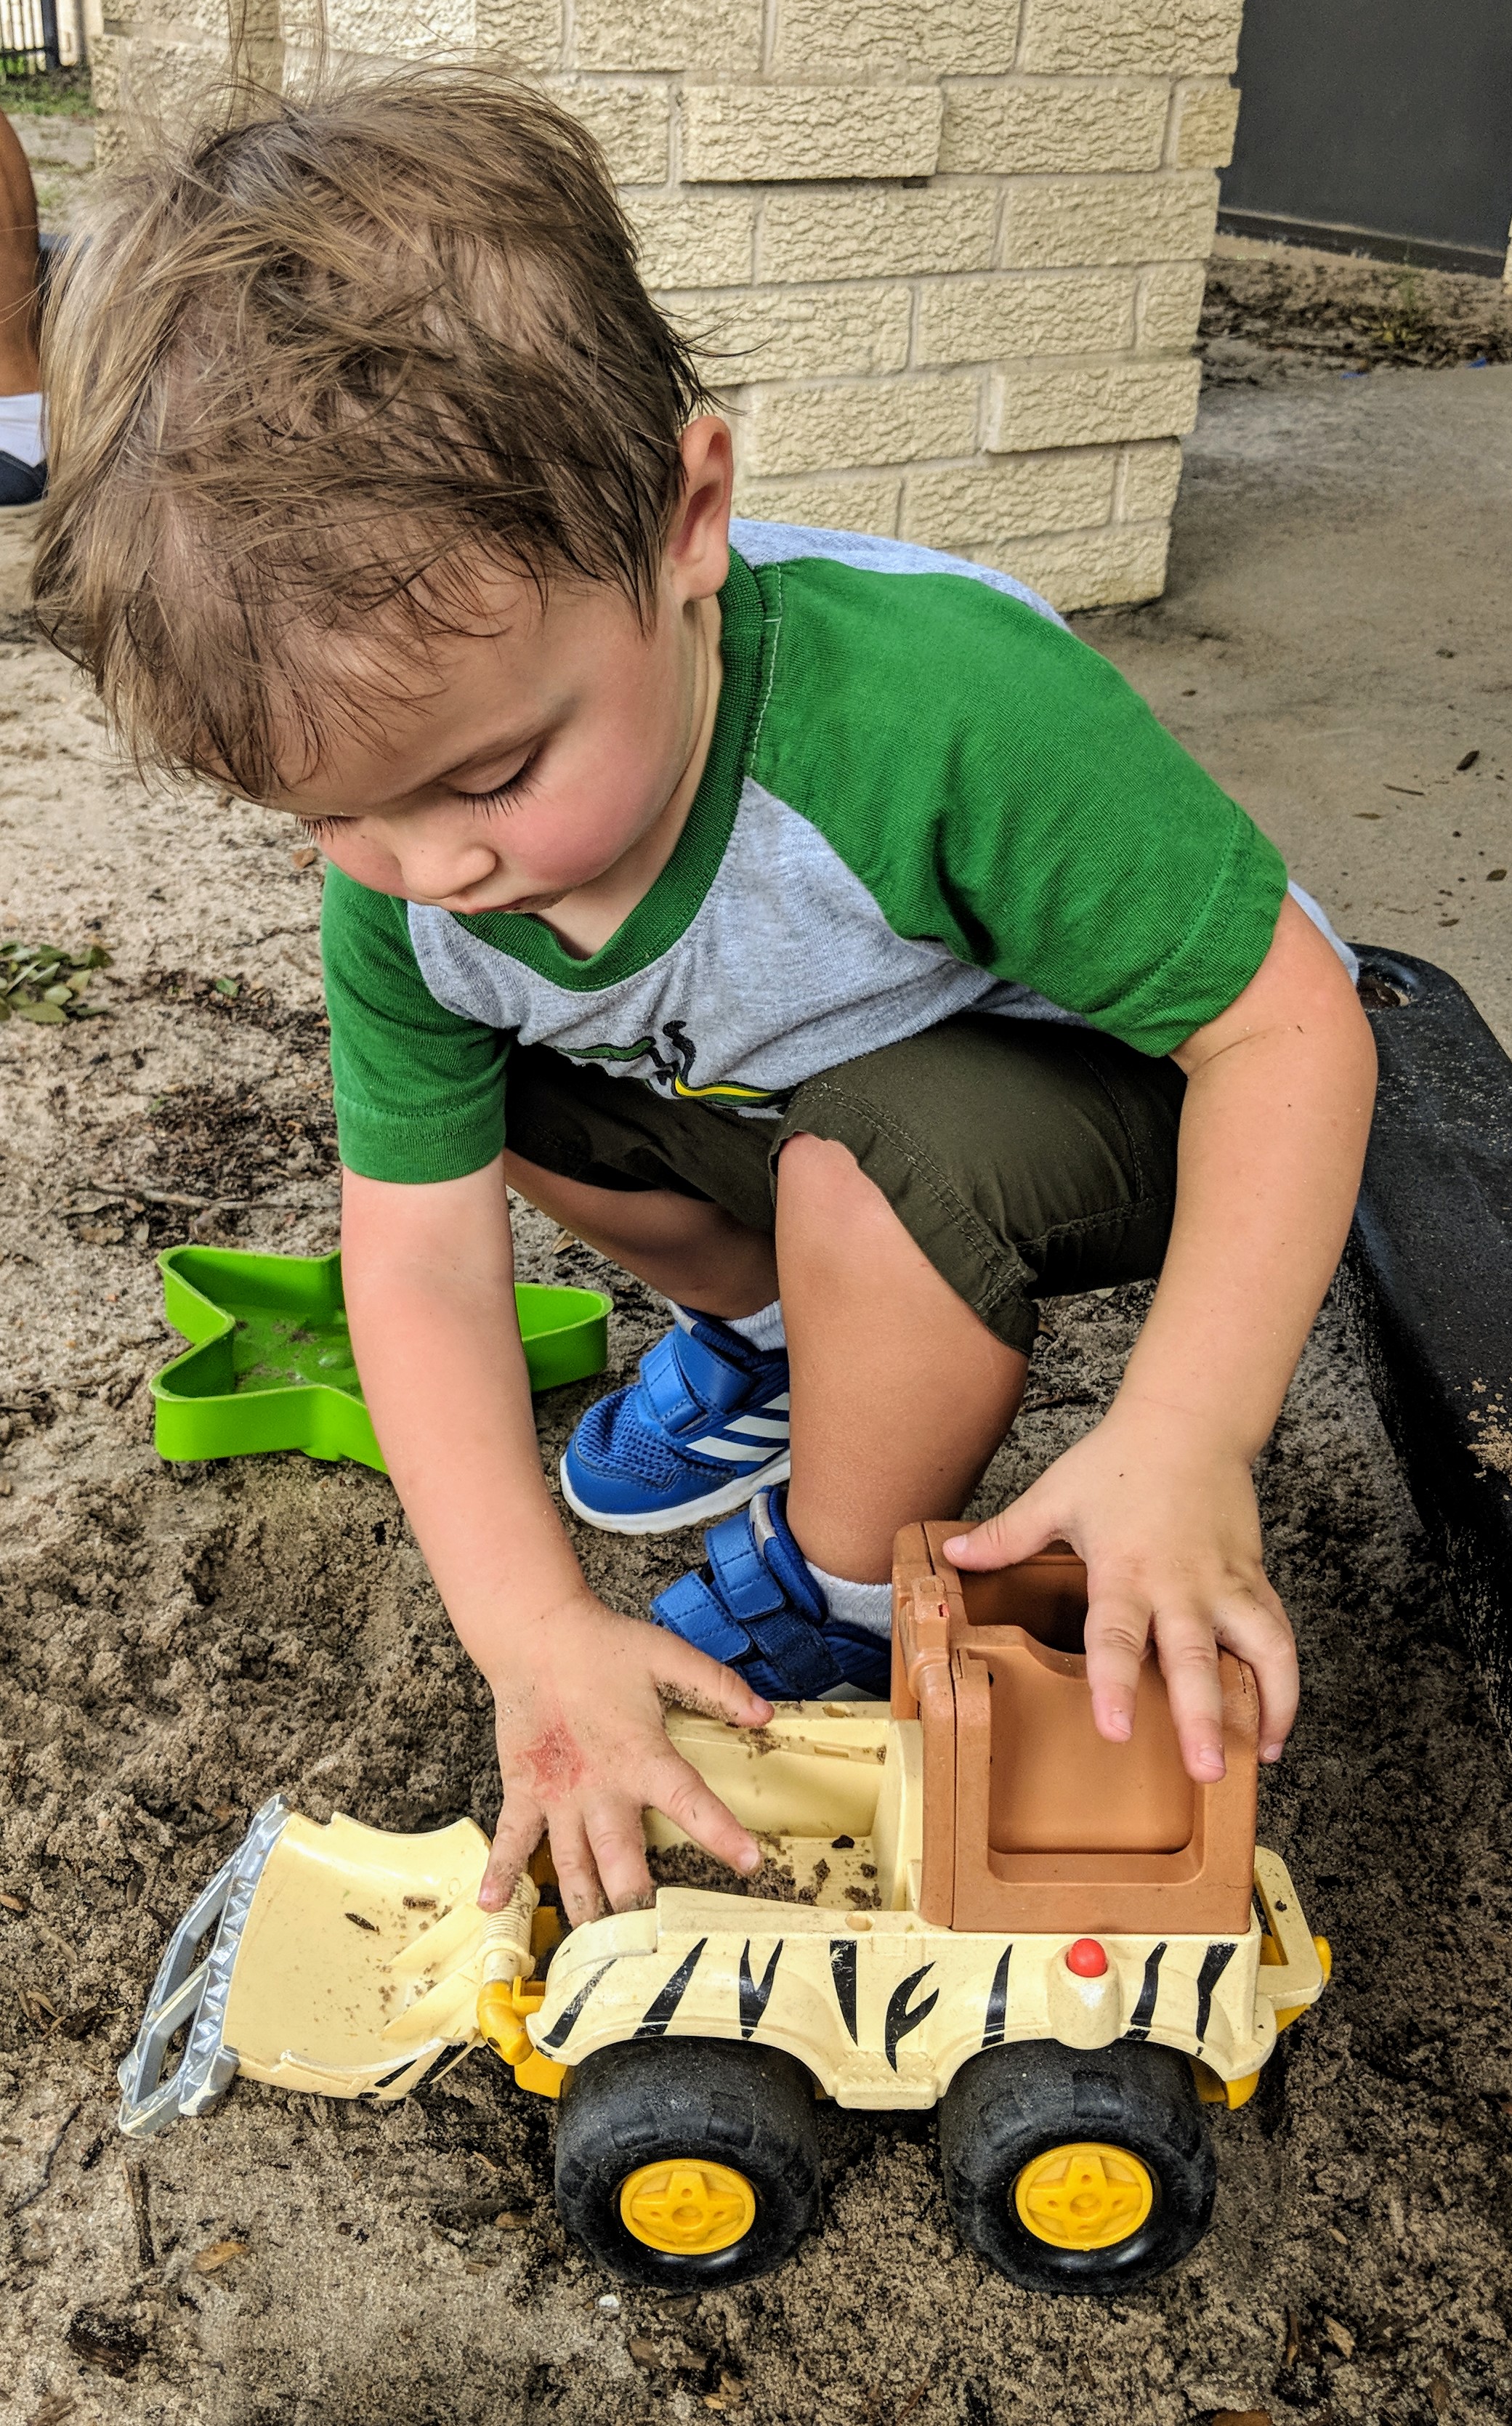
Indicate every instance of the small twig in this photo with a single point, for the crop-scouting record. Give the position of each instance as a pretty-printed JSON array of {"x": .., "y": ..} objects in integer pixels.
[
  {"x": 47, "y": 2160},
  {"x": 141, "y": 2214},
  {"x": 209, "y": 1204}
]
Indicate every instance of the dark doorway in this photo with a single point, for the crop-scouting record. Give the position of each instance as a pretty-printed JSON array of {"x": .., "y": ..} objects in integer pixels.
[{"x": 1376, "y": 126}]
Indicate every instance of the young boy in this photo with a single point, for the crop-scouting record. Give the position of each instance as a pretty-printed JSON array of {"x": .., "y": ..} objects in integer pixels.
[{"x": 809, "y": 922}]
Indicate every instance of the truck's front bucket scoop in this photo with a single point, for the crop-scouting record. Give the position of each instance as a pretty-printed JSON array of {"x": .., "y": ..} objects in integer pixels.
[{"x": 343, "y": 1959}]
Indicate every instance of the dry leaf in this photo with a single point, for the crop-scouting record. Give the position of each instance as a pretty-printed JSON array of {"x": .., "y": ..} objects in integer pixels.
[
  {"x": 1439, "y": 2394},
  {"x": 36, "y": 2007},
  {"x": 1241, "y": 2417},
  {"x": 506, "y": 2220},
  {"x": 645, "y": 2354},
  {"x": 219, "y": 2253},
  {"x": 304, "y": 858},
  {"x": 15, "y": 1903},
  {"x": 1340, "y": 2337},
  {"x": 53, "y": 2411}
]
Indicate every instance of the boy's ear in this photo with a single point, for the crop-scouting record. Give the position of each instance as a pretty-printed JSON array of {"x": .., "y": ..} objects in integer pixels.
[{"x": 698, "y": 550}]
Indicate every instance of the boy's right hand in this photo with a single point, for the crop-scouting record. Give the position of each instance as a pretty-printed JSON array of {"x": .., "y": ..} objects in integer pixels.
[{"x": 583, "y": 1749}]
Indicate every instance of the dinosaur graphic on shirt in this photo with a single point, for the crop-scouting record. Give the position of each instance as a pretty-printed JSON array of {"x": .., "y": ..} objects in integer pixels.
[{"x": 673, "y": 1070}]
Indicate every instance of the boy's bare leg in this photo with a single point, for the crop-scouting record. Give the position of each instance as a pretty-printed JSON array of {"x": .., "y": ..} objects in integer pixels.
[
  {"x": 20, "y": 370},
  {"x": 693, "y": 1252},
  {"x": 900, "y": 1393}
]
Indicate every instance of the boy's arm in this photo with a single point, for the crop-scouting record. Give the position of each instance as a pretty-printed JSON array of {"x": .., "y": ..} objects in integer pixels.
[
  {"x": 578, "y": 1692},
  {"x": 1159, "y": 1497}
]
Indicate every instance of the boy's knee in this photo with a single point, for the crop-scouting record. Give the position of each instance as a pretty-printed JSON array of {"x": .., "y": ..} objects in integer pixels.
[{"x": 820, "y": 1180}]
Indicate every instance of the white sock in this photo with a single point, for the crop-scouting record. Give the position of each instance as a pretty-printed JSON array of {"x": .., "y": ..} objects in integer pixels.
[
  {"x": 763, "y": 1329},
  {"x": 21, "y": 433},
  {"x": 868, "y": 1607}
]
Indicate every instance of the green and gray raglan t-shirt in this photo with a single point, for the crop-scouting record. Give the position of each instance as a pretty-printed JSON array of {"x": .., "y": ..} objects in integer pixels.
[{"x": 923, "y": 796}]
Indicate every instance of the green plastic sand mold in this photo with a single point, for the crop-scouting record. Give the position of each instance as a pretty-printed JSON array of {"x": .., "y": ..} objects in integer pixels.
[{"x": 271, "y": 1365}]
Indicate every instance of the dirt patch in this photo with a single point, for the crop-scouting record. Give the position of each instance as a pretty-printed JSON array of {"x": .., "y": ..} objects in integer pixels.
[
  {"x": 176, "y": 1644},
  {"x": 1272, "y": 313}
]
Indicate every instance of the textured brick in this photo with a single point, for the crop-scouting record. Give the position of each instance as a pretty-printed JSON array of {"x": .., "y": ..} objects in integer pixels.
[
  {"x": 778, "y": 332},
  {"x": 694, "y": 240},
  {"x": 768, "y": 133},
  {"x": 1151, "y": 476},
  {"x": 722, "y": 35},
  {"x": 108, "y": 57},
  {"x": 633, "y": 123},
  {"x": 887, "y": 420},
  {"x": 896, "y": 37},
  {"x": 1060, "y": 312},
  {"x": 208, "y": 20},
  {"x": 398, "y": 29},
  {"x": 1170, "y": 303},
  {"x": 172, "y": 78},
  {"x": 876, "y": 232},
  {"x": 1208, "y": 114},
  {"x": 1030, "y": 127},
  {"x": 1115, "y": 566},
  {"x": 856, "y": 504},
  {"x": 1091, "y": 405},
  {"x": 1152, "y": 37},
  {"x": 1063, "y": 221},
  {"x": 976, "y": 510},
  {"x": 528, "y": 33}
]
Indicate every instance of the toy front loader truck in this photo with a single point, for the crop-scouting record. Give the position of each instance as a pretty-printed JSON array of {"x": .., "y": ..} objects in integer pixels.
[{"x": 1065, "y": 1944}]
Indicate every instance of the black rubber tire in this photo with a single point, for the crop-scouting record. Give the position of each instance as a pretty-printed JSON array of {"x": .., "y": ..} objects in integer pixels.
[
  {"x": 1012, "y": 2103},
  {"x": 748, "y": 2107}
]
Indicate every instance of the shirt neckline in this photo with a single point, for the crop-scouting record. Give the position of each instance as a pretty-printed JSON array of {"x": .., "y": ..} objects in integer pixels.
[{"x": 665, "y": 912}]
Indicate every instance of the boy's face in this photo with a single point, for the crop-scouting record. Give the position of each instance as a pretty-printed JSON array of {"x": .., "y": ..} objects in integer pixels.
[{"x": 532, "y": 757}]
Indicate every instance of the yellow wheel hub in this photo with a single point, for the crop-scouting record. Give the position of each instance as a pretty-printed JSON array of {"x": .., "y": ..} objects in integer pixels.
[
  {"x": 688, "y": 2206},
  {"x": 1085, "y": 2196}
]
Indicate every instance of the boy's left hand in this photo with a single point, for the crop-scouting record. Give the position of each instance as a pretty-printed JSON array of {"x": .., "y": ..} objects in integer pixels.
[{"x": 1164, "y": 1513}]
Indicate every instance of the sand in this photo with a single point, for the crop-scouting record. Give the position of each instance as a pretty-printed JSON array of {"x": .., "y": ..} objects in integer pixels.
[{"x": 176, "y": 1644}]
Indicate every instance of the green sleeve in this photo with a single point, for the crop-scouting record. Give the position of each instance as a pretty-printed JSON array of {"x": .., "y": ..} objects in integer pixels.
[
  {"x": 999, "y": 787},
  {"x": 419, "y": 1093}
]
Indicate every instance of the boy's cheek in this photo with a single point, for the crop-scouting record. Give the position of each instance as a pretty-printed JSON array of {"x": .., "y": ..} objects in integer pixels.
[{"x": 366, "y": 862}]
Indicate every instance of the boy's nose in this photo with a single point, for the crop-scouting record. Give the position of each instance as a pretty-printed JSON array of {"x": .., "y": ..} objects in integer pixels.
[{"x": 434, "y": 868}]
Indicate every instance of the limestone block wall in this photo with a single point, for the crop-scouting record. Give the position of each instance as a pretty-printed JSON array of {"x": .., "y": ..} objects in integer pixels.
[{"x": 953, "y": 250}]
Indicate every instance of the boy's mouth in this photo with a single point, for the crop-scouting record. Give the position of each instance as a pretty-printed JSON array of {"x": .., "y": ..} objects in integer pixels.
[{"x": 466, "y": 905}]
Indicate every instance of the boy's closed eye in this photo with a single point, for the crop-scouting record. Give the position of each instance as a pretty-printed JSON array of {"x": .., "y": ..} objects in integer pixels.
[{"x": 498, "y": 796}]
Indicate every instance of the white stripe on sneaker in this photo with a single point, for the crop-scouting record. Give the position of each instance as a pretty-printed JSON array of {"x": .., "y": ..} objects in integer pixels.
[
  {"x": 738, "y": 1452},
  {"x": 763, "y": 1427}
]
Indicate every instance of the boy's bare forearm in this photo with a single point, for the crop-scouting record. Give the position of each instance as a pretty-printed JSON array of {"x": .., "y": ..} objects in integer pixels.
[
  {"x": 1273, "y": 1136},
  {"x": 430, "y": 1285}
]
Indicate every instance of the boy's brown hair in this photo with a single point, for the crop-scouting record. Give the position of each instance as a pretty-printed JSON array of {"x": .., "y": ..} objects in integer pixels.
[{"x": 310, "y": 370}]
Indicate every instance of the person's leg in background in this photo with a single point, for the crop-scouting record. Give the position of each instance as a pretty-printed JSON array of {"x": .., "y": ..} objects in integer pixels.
[{"x": 23, "y": 442}]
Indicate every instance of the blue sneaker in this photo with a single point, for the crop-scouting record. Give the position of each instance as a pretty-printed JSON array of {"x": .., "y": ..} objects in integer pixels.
[
  {"x": 704, "y": 1427},
  {"x": 756, "y": 1607}
]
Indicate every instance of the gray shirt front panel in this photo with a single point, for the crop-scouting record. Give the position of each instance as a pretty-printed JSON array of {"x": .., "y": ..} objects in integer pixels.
[{"x": 786, "y": 968}]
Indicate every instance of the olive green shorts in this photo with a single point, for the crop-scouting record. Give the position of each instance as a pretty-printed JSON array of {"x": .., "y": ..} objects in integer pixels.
[{"x": 1026, "y": 1159}]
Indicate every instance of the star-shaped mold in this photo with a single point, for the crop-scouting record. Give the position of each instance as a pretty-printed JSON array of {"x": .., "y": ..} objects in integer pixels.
[{"x": 271, "y": 1365}]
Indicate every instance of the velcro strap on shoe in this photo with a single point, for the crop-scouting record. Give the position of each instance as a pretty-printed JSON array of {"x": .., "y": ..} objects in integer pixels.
[
  {"x": 686, "y": 1381},
  {"x": 689, "y": 1609},
  {"x": 798, "y": 1655},
  {"x": 739, "y": 1574}
]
